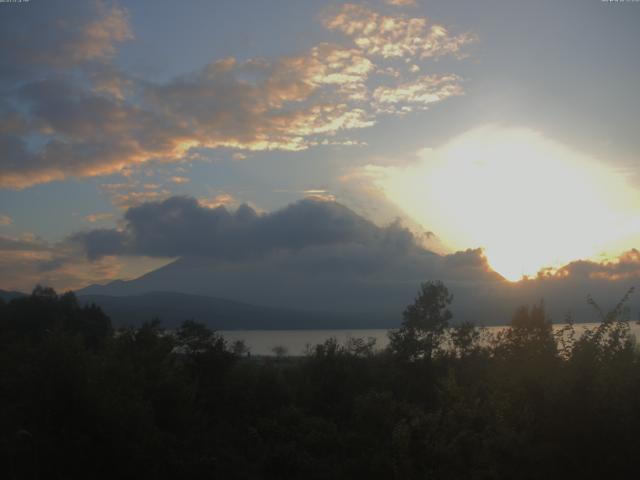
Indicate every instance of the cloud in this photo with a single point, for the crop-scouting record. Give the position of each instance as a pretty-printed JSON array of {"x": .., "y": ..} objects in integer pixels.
[
  {"x": 67, "y": 111},
  {"x": 83, "y": 134},
  {"x": 319, "y": 195},
  {"x": 418, "y": 93},
  {"x": 178, "y": 180},
  {"x": 321, "y": 235},
  {"x": 87, "y": 133},
  {"x": 132, "y": 193},
  {"x": 459, "y": 189},
  {"x": 158, "y": 229},
  {"x": 321, "y": 255},
  {"x": 5, "y": 220},
  {"x": 50, "y": 37},
  {"x": 401, "y": 3},
  {"x": 260, "y": 105},
  {"x": 220, "y": 200},
  {"x": 625, "y": 267},
  {"x": 325, "y": 64},
  {"x": 108, "y": 81},
  {"x": 26, "y": 242},
  {"x": 102, "y": 242},
  {"x": 27, "y": 260},
  {"x": 395, "y": 36},
  {"x": 125, "y": 200},
  {"x": 98, "y": 217},
  {"x": 312, "y": 245}
]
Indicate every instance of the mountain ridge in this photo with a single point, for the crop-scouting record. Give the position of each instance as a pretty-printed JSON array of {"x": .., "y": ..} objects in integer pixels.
[
  {"x": 223, "y": 314},
  {"x": 171, "y": 308}
]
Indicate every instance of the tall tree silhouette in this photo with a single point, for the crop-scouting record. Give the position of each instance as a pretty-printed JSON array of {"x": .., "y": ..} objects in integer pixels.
[{"x": 424, "y": 322}]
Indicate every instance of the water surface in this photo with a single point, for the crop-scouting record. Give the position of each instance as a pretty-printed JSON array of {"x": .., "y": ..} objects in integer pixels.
[{"x": 262, "y": 342}]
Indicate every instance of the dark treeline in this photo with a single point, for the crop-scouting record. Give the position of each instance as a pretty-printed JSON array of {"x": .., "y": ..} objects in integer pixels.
[{"x": 80, "y": 400}]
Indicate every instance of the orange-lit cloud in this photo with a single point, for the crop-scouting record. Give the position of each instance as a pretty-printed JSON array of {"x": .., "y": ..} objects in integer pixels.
[
  {"x": 98, "y": 217},
  {"x": 417, "y": 94},
  {"x": 401, "y": 3},
  {"x": 62, "y": 38},
  {"x": 294, "y": 78},
  {"x": 319, "y": 195},
  {"x": 280, "y": 110},
  {"x": 92, "y": 119},
  {"x": 130, "y": 199},
  {"x": 220, "y": 200},
  {"x": 395, "y": 36},
  {"x": 106, "y": 80},
  {"x": 98, "y": 38},
  {"x": 28, "y": 260},
  {"x": 5, "y": 220},
  {"x": 624, "y": 267},
  {"x": 127, "y": 195},
  {"x": 178, "y": 180}
]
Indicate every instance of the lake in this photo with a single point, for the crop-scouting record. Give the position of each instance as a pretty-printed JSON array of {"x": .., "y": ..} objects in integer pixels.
[{"x": 262, "y": 342}]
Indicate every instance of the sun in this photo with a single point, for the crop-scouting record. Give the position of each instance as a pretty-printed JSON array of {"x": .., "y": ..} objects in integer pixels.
[{"x": 530, "y": 202}]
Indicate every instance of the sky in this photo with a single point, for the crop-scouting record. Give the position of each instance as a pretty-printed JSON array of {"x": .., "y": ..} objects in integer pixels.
[{"x": 508, "y": 129}]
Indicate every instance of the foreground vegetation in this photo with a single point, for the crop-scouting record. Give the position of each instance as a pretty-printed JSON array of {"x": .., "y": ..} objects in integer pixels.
[{"x": 78, "y": 400}]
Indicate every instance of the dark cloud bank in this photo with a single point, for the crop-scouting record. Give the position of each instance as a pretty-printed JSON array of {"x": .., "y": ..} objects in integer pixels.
[{"x": 319, "y": 255}]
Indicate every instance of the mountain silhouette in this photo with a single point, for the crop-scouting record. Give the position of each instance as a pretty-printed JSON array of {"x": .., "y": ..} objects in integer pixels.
[{"x": 172, "y": 308}]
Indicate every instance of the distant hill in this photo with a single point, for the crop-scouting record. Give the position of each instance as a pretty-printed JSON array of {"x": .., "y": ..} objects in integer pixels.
[
  {"x": 220, "y": 314},
  {"x": 172, "y": 308},
  {"x": 273, "y": 287},
  {"x": 7, "y": 295}
]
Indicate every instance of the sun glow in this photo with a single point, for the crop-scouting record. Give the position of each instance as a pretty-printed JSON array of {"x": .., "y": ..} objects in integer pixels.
[{"x": 531, "y": 203}]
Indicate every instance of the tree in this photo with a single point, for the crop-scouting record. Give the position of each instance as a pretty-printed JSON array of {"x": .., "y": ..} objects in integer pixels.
[
  {"x": 424, "y": 323},
  {"x": 240, "y": 349},
  {"x": 532, "y": 330},
  {"x": 45, "y": 312},
  {"x": 197, "y": 338},
  {"x": 465, "y": 339},
  {"x": 280, "y": 351}
]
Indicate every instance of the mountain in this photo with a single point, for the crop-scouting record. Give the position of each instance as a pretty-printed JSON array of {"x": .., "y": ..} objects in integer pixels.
[
  {"x": 323, "y": 257},
  {"x": 217, "y": 313},
  {"x": 7, "y": 295},
  {"x": 310, "y": 256},
  {"x": 297, "y": 295},
  {"x": 301, "y": 288},
  {"x": 172, "y": 308}
]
